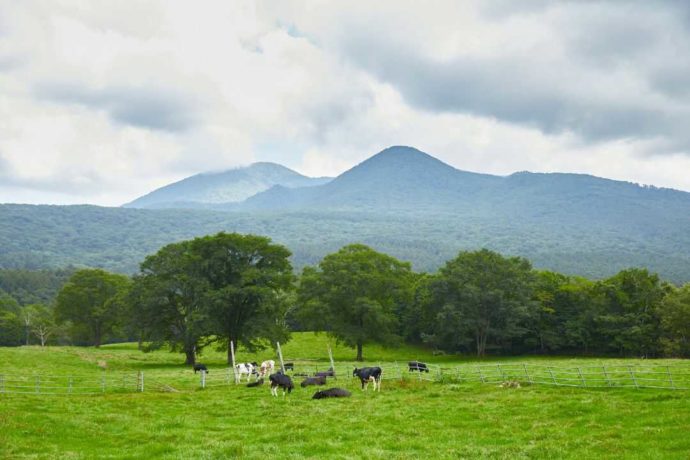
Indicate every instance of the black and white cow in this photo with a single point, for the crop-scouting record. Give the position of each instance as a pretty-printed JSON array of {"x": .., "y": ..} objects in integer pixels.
[
  {"x": 369, "y": 374},
  {"x": 200, "y": 367},
  {"x": 247, "y": 369},
  {"x": 313, "y": 381},
  {"x": 417, "y": 366},
  {"x": 289, "y": 366},
  {"x": 280, "y": 380},
  {"x": 331, "y": 393}
]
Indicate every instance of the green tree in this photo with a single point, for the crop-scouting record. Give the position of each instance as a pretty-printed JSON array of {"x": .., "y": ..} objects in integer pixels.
[
  {"x": 482, "y": 294},
  {"x": 674, "y": 312},
  {"x": 246, "y": 278},
  {"x": 88, "y": 301},
  {"x": 167, "y": 297},
  {"x": 10, "y": 321},
  {"x": 355, "y": 295}
]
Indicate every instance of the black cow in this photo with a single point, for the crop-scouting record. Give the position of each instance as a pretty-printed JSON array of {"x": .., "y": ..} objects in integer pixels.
[
  {"x": 256, "y": 384},
  {"x": 289, "y": 366},
  {"x": 321, "y": 380},
  {"x": 280, "y": 380},
  {"x": 417, "y": 366},
  {"x": 369, "y": 374},
  {"x": 200, "y": 367},
  {"x": 331, "y": 393}
]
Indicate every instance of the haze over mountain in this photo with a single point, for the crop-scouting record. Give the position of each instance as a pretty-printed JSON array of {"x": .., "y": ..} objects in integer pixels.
[
  {"x": 400, "y": 201},
  {"x": 233, "y": 185}
]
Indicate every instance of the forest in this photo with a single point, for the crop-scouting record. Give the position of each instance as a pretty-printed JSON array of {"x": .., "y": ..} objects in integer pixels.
[{"x": 208, "y": 291}]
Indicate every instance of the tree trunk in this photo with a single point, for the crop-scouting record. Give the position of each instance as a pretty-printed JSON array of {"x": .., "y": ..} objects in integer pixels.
[
  {"x": 190, "y": 355},
  {"x": 359, "y": 352}
]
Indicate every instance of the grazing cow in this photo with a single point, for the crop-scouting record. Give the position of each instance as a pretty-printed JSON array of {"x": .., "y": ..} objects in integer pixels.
[
  {"x": 258, "y": 383},
  {"x": 369, "y": 374},
  {"x": 329, "y": 373},
  {"x": 267, "y": 368},
  {"x": 289, "y": 367},
  {"x": 331, "y": 393},
  {"x": 417, "y": 366},
  {"x": 246, "y": 368},
  {"x": 200, "y": 367},
  {"x": 313, "y": 381},
  {"x": 280, "y": 380}
]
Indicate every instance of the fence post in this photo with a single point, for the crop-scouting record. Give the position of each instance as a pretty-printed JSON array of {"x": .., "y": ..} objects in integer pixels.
[
  {"x": 552, "y": 376},
  {"x": 330, "y": 357},
  {"x": 670, "y": 379},
  {"x": 203, "y": 378},
  {"x": 103, "y": 383},
  {"x": 140, "y": 381},
  {"x": 459, "y": 375},
  {"x": 38, "y": 384},
  {"x": 234, "y": 367},
  {"x": 632, "y": 374},
  {"x": 481, "y": 377},
  {"x": 500, "y": 371},
  {"x": 606, "y": 374},
  {"x": 69, "y": 385},
  {"x": 582, "y": 379},
  {"x": 529, "y": 379}
]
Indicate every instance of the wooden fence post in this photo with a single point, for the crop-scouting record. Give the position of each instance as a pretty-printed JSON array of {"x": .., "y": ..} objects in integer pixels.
[
  {"x": 529, "y": 379},
  {"x": 632, "y": 374},
  {"x": 606, "y": 374},
  {"x": 234, "y": 367},
  {"x": 500, "y": 371},
  {"x": 280, "y": 356},
  {"x": 330, "y": 356},
  {"x": 582, "y": 379},
  {"x": 203, "y": 378},
  {"x": 552, "y": 376},
  {"x": 481, "y": 377},
  {"x": 670, "y": 379},
  {"x": 140, "y": 381}
]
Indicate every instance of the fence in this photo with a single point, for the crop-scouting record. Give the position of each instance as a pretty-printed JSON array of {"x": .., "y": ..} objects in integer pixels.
[
  {"x": 66, "y": 384},
  {"x": 671, "y": 377}
]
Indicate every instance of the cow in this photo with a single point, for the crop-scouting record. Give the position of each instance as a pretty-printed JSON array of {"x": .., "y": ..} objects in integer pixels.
[
  {"x": 331, "y": 393},
  {"x": 417, "y": 366},
  {"x": 267, "y": 368},
  {"x": 246, "y": 368},
  {"x": 329, "y": 373},
  {"x": 280, "y": 380},
  {"x": 200, "y": 367},
  {"x": 313, "y": 381},
  {"x": 369, "y": 374},
  {"x": 258, "y": 383},
  {"x": 289, "y": 367}
]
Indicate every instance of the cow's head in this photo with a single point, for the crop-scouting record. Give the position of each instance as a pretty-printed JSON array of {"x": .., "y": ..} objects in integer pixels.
[{"x": 355, "y": 373}]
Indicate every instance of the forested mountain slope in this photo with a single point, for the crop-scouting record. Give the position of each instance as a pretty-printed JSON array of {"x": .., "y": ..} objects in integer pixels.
[{"x": 402, "y": 202}]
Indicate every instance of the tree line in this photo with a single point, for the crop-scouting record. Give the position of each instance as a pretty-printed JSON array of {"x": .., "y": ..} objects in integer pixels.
[{"x": 230, "y": 287}]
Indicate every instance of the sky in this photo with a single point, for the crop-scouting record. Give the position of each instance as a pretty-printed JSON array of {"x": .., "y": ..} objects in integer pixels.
[{"x": 104, "y": 101}]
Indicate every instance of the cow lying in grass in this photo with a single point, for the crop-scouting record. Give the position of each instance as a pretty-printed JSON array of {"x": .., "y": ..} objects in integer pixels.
[
  {"x": 369, "y": 374},
  {"x": 258, "y": 383},
  {"x": 331, "y": 393},
  {"x": 329, "y": 373},
  {"x": 280, "y": 380},
  {"x": 321, "y": 380},
  {"x": 417, "y": 366},
  {"x": 200, "y": 367}
]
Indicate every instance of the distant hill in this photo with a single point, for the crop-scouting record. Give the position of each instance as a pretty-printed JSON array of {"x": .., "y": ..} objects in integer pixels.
[
  {"x": 208, "y": 189},
  {"x": 400, "y": 201}
]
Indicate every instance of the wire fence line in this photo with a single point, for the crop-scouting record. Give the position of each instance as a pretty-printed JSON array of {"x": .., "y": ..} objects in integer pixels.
[{"x": 668, "y": 377}]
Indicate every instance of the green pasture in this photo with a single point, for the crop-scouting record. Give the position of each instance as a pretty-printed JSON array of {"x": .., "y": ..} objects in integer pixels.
[{"x": 457, "y": 418}]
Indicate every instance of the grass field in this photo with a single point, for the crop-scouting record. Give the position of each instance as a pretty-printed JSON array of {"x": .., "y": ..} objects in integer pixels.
[{"x": 407, "y": 419}]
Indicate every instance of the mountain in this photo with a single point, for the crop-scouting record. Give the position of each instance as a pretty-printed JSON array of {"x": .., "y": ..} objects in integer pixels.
[
  {"x": 208, "y": 189},
  {"x": 400, "y": 201}
]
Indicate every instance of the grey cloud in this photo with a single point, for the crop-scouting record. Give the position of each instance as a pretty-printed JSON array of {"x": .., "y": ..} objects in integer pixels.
[
  {"x": 555, "y": 95},
  {"x": 145, "y": 107}
]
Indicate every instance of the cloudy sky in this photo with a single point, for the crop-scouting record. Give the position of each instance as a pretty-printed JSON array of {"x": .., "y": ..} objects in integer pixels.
[{"x": 102, "y": 101}]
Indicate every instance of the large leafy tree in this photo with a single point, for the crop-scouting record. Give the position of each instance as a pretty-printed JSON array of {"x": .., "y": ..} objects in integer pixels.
[
  {"x": 674, "y": 312},
  {"x": 356, "y": 295},
  {"x": 10, "y": 321},
  {"x": 225, "y": 287},
  {"x": 482, "y": 295},
  {"x": 167, "y": 299},
  {"x": 89, "y": 300},
  {"x": 246, "y": 278}
]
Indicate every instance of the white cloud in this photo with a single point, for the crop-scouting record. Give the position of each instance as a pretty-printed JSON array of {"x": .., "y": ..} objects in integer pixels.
[{"x": 101, "y": 102}]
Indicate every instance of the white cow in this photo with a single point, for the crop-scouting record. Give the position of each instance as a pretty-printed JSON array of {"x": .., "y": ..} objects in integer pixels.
[
  {"x": 267, "y": 368},
  {"x": 246, "y": 368}
]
